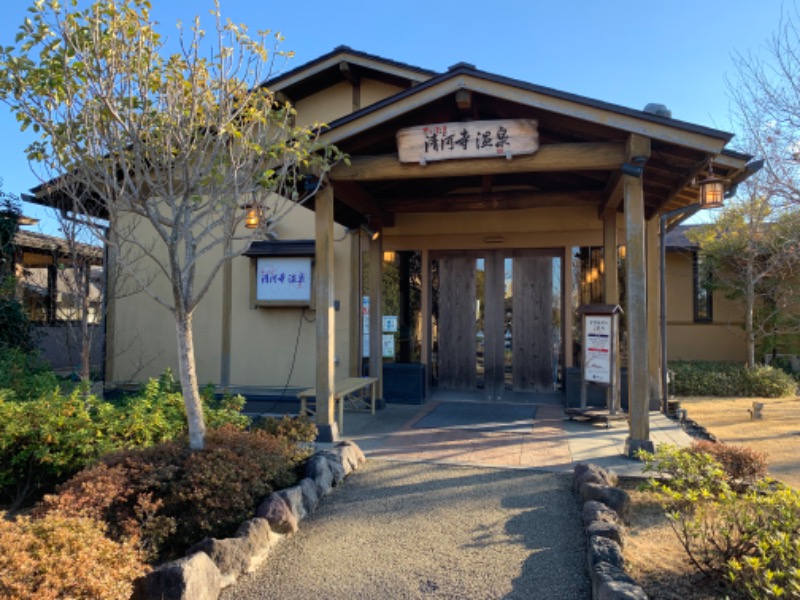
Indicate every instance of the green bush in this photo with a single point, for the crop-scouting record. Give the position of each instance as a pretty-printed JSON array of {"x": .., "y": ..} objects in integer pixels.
[
  {"x": 171, "y": 497},
  {"x": 64, "y": 557},
  {"x": 706, "y": 378},
  {"x": 746, "y": 542},
  {"x": 24, "y": 376},
  {"x": 300, "y": 429}
]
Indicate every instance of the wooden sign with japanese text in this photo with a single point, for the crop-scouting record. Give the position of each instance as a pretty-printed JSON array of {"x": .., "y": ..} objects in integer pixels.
[{"x": 473, "y": 139}]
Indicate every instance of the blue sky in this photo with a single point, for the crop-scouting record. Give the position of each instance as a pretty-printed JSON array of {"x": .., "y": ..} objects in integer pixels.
[{"x": 676, "y": 52}]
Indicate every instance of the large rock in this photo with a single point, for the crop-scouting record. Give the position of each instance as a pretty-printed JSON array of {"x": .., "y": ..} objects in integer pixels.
[
  {"x": 337, "y": 467},
  {"x": 604, "y": 573},
  {"x": 310, "y": 495},
  {"x": 231, "y": 555},
  {"x": 293, "y": 496},
  {"x": 259, "y": 539},
  {"x": 350, "y": 455},
  {"x": 318, "y": 468},
  {"x": 612, "y": 531},
  {"x": 590, "y": 473},
  {"x": 615, "y": 498},
  {"x": 597, "y": 511},
  {"x": 604, "y": 550},
  {"x": 195, "y": 577},
  {"x": 619, "y": 590},
  {"x": 280, "y": 517}
]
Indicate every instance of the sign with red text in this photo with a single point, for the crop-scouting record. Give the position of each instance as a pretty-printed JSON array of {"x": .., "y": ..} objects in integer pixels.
[
  {"x": 597, "y": 348},
  {"x": 472, "y": 139}
]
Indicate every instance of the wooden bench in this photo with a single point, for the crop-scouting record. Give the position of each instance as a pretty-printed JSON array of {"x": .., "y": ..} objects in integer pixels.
[{"x": 343, "y": 390}]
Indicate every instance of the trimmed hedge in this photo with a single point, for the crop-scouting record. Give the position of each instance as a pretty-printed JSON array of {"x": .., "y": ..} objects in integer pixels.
[
  {"x": 170, "y": 497},
  {"x": 707, "y": 378}
]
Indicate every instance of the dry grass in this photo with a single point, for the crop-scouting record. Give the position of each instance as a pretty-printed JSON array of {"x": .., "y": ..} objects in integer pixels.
[
  {"x": 777, "y": 434},
  {"x": 654, "y": 557}
]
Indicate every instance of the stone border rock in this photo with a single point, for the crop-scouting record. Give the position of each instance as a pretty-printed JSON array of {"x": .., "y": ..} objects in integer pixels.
[
  {"x": 605, "y": 512},
  {"x": 213, "y": 564}
]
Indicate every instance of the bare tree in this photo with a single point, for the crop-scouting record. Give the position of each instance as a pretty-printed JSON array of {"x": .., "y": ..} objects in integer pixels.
[
  {"x": 167, "y": 148},
  {"x": 751, "y": 253}
]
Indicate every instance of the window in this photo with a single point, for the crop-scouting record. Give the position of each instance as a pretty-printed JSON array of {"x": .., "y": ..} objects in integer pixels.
[{"x": 703, "y": 296}]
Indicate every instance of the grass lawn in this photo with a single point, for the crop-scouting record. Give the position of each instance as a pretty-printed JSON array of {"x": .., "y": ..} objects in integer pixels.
[{"x": 777, "y": 434}]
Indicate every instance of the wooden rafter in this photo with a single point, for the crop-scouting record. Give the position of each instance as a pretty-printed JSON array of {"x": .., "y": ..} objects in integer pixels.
[{"x": 556, "y": 157}]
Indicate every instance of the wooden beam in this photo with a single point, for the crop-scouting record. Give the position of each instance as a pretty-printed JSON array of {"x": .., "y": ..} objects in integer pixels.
[
  {"x": 612, "y": 195},
  {"x": 636, "y": 305},
  {"x": 352, "y": 76},
  {"x": 325, "y": 315},
  {"x": 495, "y": 201},
  {"x": 356, "y": 197},
  {"x": 682, "y": 185},
  {"x": 591, "y": 156}
]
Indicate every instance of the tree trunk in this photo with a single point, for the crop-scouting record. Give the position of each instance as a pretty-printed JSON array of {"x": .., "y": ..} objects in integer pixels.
[
  {"x": 191, "y": 393},
  {"x": 748, "y": 317}
]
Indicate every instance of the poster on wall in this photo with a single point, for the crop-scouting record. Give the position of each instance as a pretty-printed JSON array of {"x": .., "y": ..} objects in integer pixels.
[
  {"x": 388, "y": 345},
  {"x": 283, "y": 281},
  {"x": 597, "y": 349}
]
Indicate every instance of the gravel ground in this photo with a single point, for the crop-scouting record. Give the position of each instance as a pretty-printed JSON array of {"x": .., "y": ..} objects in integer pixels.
[{"x": 403, "y": 530}]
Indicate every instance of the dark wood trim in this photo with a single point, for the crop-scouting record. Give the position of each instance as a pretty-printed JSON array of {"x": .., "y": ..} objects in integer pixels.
[{"x": 494, "y": 201}]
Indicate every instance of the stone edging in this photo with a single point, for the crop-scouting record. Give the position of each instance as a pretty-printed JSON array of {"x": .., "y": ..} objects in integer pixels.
[
  {"x": 213, "y": 564},
  {"x": 605, "y": 511}
]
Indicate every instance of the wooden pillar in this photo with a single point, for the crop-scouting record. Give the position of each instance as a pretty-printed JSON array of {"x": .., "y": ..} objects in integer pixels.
[
  {"x": 610, "y": 243},
  {"x": 324, "y": 300},
  {"x": 494, "y": 326},
  {"x": 567, "y": 315},
  {"x": 653, "y": 302},
  {"x": 375, "y": 313},
  {"x": 356, "y": 339},
  {"x": 425, "y": 315},
  {"x": 636, "y": 304}
]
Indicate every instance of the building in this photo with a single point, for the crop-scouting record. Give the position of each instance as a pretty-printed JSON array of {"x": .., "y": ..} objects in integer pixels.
[{"x": 481, "y": 207}]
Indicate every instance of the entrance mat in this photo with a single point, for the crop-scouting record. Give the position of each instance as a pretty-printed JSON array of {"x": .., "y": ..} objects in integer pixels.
[{"x": 504, "y": 418}]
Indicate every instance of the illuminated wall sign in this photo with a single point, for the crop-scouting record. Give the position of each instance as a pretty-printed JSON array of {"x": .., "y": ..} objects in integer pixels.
[
  {"x": 283, "y": 281},
  {"x": 473, "y": 139}
]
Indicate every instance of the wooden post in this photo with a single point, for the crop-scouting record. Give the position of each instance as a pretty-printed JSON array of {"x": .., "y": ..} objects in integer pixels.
[
  {"x": 355, "y": 306},
  {"x": 323, "y": 291},
  {"x": 375, "y": 313},
  {"x": 610, "y": 243},
  {"x": 425, "y": 315},
  {"x": 636, "y": 305},
  {"x": 567, "y": 315},
  {"x": 653, "y": 301},
  {"x": 494, "y": 326}
]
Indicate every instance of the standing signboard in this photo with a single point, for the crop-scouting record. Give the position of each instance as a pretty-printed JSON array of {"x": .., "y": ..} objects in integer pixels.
[{"x": 600, "y": 356}]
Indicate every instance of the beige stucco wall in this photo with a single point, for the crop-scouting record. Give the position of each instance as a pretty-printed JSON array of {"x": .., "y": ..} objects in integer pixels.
[
  {"x": 337, "y": 101},
  {"x": 723, "y": 339}
]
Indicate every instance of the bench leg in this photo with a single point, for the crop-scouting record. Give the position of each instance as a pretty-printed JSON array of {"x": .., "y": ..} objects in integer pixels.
[
  {"x": 372, "y": 397},
  {"x": 341, "y": 414}
]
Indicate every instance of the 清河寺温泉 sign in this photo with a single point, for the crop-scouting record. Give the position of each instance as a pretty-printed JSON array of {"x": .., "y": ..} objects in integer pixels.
[{"x": 473, "y": 139}]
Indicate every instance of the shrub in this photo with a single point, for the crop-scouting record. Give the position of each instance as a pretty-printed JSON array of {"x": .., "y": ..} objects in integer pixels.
[
  {"x": 749, "y": 542},
  {"x": 706, "y": 378},
  {"x": 45, "y": 441},
  {"x": 24, "y": 376},
  {"x": 64, "y": 557},
  {"x": 740, "y": 463},
  {"x": 300, "y": 429},
  {"x": 171, "y": 497}
]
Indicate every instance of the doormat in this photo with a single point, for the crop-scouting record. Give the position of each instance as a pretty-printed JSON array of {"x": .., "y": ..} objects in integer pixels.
[{"x": 503, "y": 418}]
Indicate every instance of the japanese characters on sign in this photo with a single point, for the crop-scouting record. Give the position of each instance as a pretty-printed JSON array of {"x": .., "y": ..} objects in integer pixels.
[
  {"x": 597, "y": 348},
  {"x": 473, "y": 139},
  {"x": 283, "y": 280}
]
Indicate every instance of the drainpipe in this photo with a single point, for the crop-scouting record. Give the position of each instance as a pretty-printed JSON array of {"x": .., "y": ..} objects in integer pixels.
[{"x": 680, "y": 215}]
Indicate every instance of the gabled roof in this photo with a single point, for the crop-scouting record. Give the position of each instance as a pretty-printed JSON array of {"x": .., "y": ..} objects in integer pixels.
[{"x": 339, "y": 64}]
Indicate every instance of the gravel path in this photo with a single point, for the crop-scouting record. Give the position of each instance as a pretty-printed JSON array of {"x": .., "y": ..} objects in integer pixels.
[{"x": 420, "y": 530}]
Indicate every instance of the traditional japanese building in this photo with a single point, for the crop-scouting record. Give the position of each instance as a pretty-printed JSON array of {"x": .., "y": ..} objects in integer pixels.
[{"x": 451, "y": 254}]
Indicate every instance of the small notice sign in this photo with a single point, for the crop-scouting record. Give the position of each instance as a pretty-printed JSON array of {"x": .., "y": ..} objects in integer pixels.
[
  {"x": 472, "y": 139},
  {"x": 597, "y": 348},
  {"x": 388, "y": 345}
]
